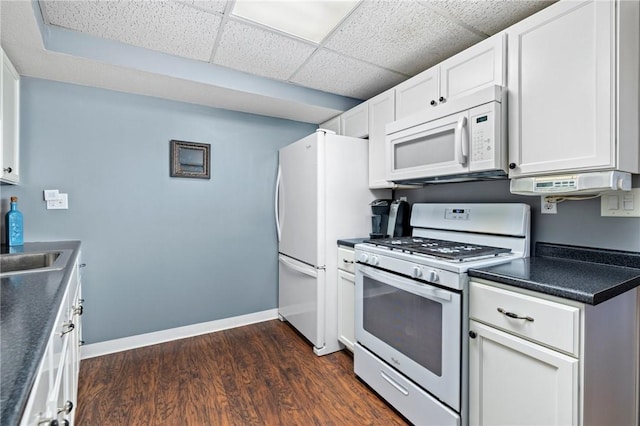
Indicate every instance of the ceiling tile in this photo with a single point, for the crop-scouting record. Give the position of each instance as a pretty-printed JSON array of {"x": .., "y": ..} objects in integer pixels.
[
  {"x": 332, "y": 72},
  {"x": 404, "y": 36},
  {"x": 251, "y": 49},
  {"x": 208, "y": 5},
  {"x": 164, "y": 26},
  {"x": 492, "y": 16}
]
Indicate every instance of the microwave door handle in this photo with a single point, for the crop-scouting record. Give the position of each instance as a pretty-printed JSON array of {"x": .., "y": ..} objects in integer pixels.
[
  {"x": 277, "y": 201},
  {"x": 461, "y": 141}
]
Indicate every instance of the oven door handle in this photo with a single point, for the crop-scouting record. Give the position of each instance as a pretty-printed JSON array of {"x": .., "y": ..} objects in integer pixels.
[{"x": 416, "y": 287}]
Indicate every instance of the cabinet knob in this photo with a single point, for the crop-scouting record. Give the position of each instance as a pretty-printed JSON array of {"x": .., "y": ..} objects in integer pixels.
[
  {"x": 442, "y": 99},
  {"x": 473, "y": 334},
  {"x": 433, "y": 102},
  {"x": 512, "y": 166},
  {"x": 8, "y": 170}
]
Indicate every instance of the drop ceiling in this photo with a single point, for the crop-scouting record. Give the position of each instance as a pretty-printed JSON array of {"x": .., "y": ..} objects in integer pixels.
[{"x": 199, "y": 52}]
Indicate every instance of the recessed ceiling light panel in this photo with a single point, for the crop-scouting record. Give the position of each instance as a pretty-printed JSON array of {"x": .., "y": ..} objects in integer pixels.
[{"x": 310, "y": 20}]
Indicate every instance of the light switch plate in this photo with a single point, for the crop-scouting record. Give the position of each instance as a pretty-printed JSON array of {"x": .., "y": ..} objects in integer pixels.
[
  {"x": 62, "y": 202},
  {"x": 51, "y": 194},
  {"x": 620, "y": 203}
]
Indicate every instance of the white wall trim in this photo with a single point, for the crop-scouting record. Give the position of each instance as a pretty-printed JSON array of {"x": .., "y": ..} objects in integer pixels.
[{"x": 147, "y": 339}]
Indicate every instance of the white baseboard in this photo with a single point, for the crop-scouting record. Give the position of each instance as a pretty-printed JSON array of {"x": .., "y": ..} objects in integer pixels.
[{"x": 147, "y": 339}]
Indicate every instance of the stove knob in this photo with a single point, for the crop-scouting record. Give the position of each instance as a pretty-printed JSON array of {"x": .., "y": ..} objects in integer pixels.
[
  {"x": 363, "y": 257},
  {"x": 416, "y": 272},
  {"x": 374, "y": 261},
  {"x": 432, "y": 276}
]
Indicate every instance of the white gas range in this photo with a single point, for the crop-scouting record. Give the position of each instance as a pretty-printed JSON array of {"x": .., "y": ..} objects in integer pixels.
[{"x": 411, "y": 303}]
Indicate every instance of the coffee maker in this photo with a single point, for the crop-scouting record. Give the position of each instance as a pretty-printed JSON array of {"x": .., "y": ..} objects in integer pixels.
[{"x": 389, "y": 219}]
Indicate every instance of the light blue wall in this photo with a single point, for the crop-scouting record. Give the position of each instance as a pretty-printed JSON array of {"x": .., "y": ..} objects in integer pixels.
[
  {"x": 577, "y": 223},
  {"x": 161, "y": 252}
]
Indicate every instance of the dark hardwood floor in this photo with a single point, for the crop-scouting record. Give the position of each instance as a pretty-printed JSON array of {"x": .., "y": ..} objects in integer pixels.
[{"x": 261, "y": 374}]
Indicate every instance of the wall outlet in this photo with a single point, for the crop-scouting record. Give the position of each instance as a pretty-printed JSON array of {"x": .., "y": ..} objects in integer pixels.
[
  {"x": 620, "y": 203},
  {"x": 62, "y": 202},
  {"x": 547, "y": 207}
]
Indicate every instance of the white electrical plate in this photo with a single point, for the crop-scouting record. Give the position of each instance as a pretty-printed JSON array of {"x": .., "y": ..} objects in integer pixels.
[
  {"x": 62, "y": 202},
  {"x": 620, "y": 203},
  {"x": 51, "y": 194},
  {"x": 547, "y": 207}
]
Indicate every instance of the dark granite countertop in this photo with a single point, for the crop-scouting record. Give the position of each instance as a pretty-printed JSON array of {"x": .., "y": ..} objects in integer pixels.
[
  {"x": 583, "y": 274},
  {"x": 29, "y": 303},
  {"x": 351, "y": 242}
]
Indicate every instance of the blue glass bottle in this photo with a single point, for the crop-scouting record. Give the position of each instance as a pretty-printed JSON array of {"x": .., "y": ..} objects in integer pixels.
[{"x": 14, "y": 225}]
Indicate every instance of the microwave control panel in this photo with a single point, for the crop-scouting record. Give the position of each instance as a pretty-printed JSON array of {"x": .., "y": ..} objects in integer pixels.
[
  {"x": 485, "y": 126},
  {"x": 483, "y": 132}
]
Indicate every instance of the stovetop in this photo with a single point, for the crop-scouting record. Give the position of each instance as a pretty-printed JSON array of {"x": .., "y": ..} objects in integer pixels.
[{"x": 442, "y": 249}]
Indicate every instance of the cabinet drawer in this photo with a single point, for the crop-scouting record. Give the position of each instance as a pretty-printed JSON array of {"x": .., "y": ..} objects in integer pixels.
[
  {"x": 345, "y": 259},
  {"x": 554, "y": 324}
]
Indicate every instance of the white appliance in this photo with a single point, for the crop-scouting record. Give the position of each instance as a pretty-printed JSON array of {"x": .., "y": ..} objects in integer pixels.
[
  {"x": 412, "y": 304},
  {"x": 322, "y": 195},
  {"x": 572, "y": 184},
  {"x": 462, "y": 139}
]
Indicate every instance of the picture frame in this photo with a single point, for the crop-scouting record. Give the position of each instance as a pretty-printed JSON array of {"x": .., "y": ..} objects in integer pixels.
[{"x": 190, "y": 159}]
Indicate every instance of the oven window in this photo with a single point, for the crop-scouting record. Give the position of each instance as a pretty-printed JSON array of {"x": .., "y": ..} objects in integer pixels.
[{"x": 409, "y": 323}]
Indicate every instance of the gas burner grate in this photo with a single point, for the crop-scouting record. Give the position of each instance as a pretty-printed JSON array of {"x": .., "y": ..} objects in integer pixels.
[{"x": 451, "y": 250}]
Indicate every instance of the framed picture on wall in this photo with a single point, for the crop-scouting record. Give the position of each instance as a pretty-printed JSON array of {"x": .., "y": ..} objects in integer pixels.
[{"x": 190, "y": 159}]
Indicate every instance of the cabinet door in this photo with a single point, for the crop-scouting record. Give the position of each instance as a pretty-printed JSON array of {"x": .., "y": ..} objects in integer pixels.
[
  {"x": 346, "y": 309},
  {"x": 381, "y": 112},
  {"x": 417, "y": 93},
  {"x": 561, "y": 89},
  {"x": 355, "y": 122},
  {"x": 332, "y": 124},
  {"x": 482, "y": 65},
  {"x": 9, "y": 121},
  {"x": 515, "y": 382}
]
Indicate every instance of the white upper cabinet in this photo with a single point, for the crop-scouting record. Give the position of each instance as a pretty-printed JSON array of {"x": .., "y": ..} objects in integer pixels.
[
  {"x": 417, "y": 93},
  {"x": 355, "y": 122},
  {"x": 573, "y": 89},
  {"x": 479, "y": 66},
  {"x": 332, "y": 124},
  {"x": 381, "y": 112},
  {"x": 9, "y": 121}
]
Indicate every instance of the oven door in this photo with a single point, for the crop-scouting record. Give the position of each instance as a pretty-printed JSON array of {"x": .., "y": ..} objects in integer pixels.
[
  {"x": 435, "y": 148},
  {"x": 413, "y": 326}
]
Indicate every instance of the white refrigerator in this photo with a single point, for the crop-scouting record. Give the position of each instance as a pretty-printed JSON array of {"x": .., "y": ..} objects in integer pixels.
[{"x": 322, "y": 195}]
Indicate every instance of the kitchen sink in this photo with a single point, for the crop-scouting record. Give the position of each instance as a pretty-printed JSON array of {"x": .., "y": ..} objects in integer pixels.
[{"x": 18, "y": 263}]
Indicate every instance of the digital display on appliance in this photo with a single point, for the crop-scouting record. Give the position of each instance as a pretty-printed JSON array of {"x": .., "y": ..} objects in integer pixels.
[
  {"x": 458, "y": 210},
  {"x": 481, "y": 119},
  {"x": 544, "y": 184}
]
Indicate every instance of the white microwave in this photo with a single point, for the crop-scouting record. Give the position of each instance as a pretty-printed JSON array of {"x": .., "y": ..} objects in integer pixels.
[{"x": 463, "y": 139}]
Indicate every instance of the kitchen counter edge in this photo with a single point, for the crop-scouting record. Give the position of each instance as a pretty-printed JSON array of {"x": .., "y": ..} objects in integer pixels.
[
  {"x": 29, "y": 306},
  {"x": 581, "y": 274}
]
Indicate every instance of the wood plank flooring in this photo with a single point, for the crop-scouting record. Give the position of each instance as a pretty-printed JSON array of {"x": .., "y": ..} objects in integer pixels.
[{"x": 261, "y": 374}]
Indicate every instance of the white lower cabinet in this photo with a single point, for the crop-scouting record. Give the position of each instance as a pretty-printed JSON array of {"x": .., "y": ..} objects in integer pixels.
[
  {"x": 54, "y": 395},
  {"x": 514, "y": 381},
  {"x": 346, "y": 297},
  {"x": 536, "y": 359}
]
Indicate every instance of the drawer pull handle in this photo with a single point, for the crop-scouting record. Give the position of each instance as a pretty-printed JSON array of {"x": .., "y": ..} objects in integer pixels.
[
  {"x": 395, "y": 384},
  {"x": 515, "y": 316},
  {"x": 68, "y": 328},
  {"x": 347, "y": 261}
]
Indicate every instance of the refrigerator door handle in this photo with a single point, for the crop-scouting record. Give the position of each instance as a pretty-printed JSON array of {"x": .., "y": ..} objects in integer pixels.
[
  {"x": 310, "y": 271},
  {"x": 277, "y": 201}
]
